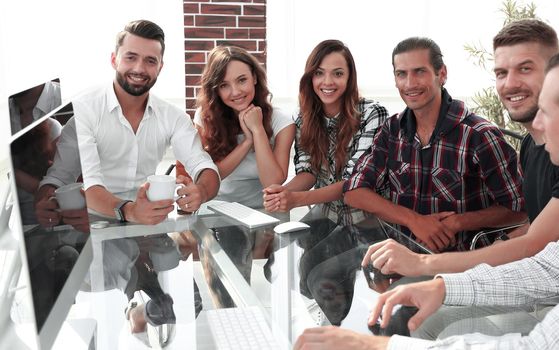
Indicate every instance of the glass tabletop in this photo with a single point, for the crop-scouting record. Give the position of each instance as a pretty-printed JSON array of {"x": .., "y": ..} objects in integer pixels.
[
  {"x": 143, "y": 285},
  {"x": 154, "y": 286},
  {"x": 302, "y": 279}
]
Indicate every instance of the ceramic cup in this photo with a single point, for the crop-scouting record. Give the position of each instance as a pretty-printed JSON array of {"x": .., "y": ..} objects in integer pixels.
[
  {"x": 70, "y": 197},
  {"x": 162, "y": 187}
]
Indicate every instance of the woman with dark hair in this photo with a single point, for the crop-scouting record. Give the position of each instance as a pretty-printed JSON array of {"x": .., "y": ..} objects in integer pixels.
[
  {"x": 246, "y": 137},
  {"x": 334, "y": 127}
]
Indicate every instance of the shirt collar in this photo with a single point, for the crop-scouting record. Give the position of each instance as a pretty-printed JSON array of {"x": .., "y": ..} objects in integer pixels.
[
  {"x": 45, "y": 102},
  {"x": 331, "y": 122},
  {"x": 112, "y": 101},
  {"x": 448, "y": 118}
]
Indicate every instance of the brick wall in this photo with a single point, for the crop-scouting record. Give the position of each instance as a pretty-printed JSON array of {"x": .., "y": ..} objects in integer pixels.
[{"x": 208, "y": 23}]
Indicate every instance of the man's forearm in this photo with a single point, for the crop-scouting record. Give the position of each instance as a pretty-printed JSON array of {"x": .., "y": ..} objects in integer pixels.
[
  {"x": 493, "y": 255},
  {"x": 101, "y": 200},
  {"x": 493, "y": 216},
  {"x": 208, "y": 181},
  {"x": 370, "y": 201}
]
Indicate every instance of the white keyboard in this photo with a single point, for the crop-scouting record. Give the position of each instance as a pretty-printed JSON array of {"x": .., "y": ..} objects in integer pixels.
[
  {"x": 243, "y": 214},
  {"x": 240, "y": 328}
]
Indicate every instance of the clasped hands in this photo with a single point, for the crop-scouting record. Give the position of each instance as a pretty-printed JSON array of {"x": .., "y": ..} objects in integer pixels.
[
  {"x": 437, "y": 231},
  {"x": 277, "y": 198},
  {"x": 251, "y": 121}
]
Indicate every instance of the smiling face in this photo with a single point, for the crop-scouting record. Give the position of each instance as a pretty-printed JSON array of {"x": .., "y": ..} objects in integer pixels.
[
  {"x": 137, "y": 63},
  {"x": 237, "y": 89},
  {"x": 417, "y": 81},
  {"x": 547, "y": 119},
  {"x": 519, "y": 72},
  {"x": 330, "y": 82}
]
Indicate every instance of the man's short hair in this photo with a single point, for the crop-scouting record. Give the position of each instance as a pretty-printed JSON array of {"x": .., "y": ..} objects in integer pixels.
[
  {"x": 553, "y": 63},
  {"x": 527, "y": 31},
  {"x": 421, "y": 43},
  {"x": 144, "y": 29}
]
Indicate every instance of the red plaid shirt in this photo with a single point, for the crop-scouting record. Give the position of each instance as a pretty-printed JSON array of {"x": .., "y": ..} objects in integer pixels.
[{"x": 466, "y": 166}]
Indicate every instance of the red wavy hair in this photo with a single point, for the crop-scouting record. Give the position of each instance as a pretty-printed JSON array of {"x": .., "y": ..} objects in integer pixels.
[{"x": 220, "y": 125}]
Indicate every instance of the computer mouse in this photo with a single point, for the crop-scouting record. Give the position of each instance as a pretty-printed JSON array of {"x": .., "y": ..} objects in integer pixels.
[{"x": 290, "y": 226}]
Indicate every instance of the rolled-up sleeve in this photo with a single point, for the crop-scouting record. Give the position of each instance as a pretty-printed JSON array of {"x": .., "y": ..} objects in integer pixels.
[
  {"x": 89, "y": 156},
  {"x": 500, "y": 170},
  {"x": 188, "y": 149}
]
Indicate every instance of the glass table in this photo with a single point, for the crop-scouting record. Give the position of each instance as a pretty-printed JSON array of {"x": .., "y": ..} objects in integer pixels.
[
  {"x": 153, "y": 286},
  {"x": 301, "y": 279}
]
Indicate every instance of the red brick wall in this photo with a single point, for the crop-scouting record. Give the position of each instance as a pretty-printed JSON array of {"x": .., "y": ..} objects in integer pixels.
[{"x": 208, "y": 23}]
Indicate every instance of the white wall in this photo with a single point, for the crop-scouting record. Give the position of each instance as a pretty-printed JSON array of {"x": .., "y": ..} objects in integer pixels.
[
  {"x": 72, "y": 40},
  {"x": 371, "y": 29}
]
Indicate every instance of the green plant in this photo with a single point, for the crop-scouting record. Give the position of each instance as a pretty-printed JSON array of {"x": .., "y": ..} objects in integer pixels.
[{"x": 486, "y": 102}]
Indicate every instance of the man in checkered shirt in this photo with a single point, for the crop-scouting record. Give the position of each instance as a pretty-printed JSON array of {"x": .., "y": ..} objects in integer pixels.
[{"x": 436, "y": 168}]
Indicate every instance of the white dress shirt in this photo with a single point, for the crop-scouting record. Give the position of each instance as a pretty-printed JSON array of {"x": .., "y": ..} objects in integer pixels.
[
  {"x": 513, "y": 284},
  {"x": 115, "y": 157}
]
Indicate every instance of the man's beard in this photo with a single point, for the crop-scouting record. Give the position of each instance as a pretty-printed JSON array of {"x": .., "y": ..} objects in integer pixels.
[
  {"x": 134, "y": 91},
  {"x": 527, "y": 117}
]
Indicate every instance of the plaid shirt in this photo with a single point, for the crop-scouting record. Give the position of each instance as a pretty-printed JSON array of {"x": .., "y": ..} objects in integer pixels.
[
  {"x": 373, "y": 116},
  {"x": 522, "y": 282},
  {"x": 466, "y": 166}
]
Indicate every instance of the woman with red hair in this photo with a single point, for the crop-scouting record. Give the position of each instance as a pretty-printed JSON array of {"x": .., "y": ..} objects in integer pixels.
[{"x": 246, "y": 137}]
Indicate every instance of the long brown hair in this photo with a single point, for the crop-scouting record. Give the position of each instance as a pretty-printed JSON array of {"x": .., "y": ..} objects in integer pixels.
[
  {"x": 314, "y": 137},
  {"x": 220, "y": 125}
]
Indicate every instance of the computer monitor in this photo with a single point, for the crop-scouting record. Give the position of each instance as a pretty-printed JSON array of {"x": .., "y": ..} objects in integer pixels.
[
  {"x": 56, "y": 253},
  {"x": 31, "y": 104}
]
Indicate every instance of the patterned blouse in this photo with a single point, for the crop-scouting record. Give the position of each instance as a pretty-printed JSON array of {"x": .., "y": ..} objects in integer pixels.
[{"x": 373, "y": 116}]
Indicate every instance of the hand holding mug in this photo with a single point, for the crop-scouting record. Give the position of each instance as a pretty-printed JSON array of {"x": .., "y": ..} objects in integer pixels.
[
  {"x": 191, "y": 195},
  {"x": 163, "y": 187},
  {"x": 46, "y": 206},
  {"x": 70, "y": 197},
  {"x": 144, "y": 211}
]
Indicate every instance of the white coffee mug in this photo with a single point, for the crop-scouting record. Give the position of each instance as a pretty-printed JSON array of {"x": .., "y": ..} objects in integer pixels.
[
  {"x": 70, "y": 197},
  {"x": 162, "y": 187}
]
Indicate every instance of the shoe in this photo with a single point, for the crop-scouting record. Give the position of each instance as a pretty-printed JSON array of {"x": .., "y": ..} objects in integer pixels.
[
  {"x": 160, "y": 336},
  {"x": 159, "y": 310},
  {"x": 153, "y": 322},
  {"x": 161, "y": 321},
  {"x": 134, "y": 314}
]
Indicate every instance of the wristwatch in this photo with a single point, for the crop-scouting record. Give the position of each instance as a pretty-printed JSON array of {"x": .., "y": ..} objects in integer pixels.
[{"x": 119, "y": 212}]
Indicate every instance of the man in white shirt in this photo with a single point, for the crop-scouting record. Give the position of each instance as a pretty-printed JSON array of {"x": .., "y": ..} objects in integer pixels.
[
  {"x": 123, "y": 133},
  {"x": 513, "y": 284}
]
